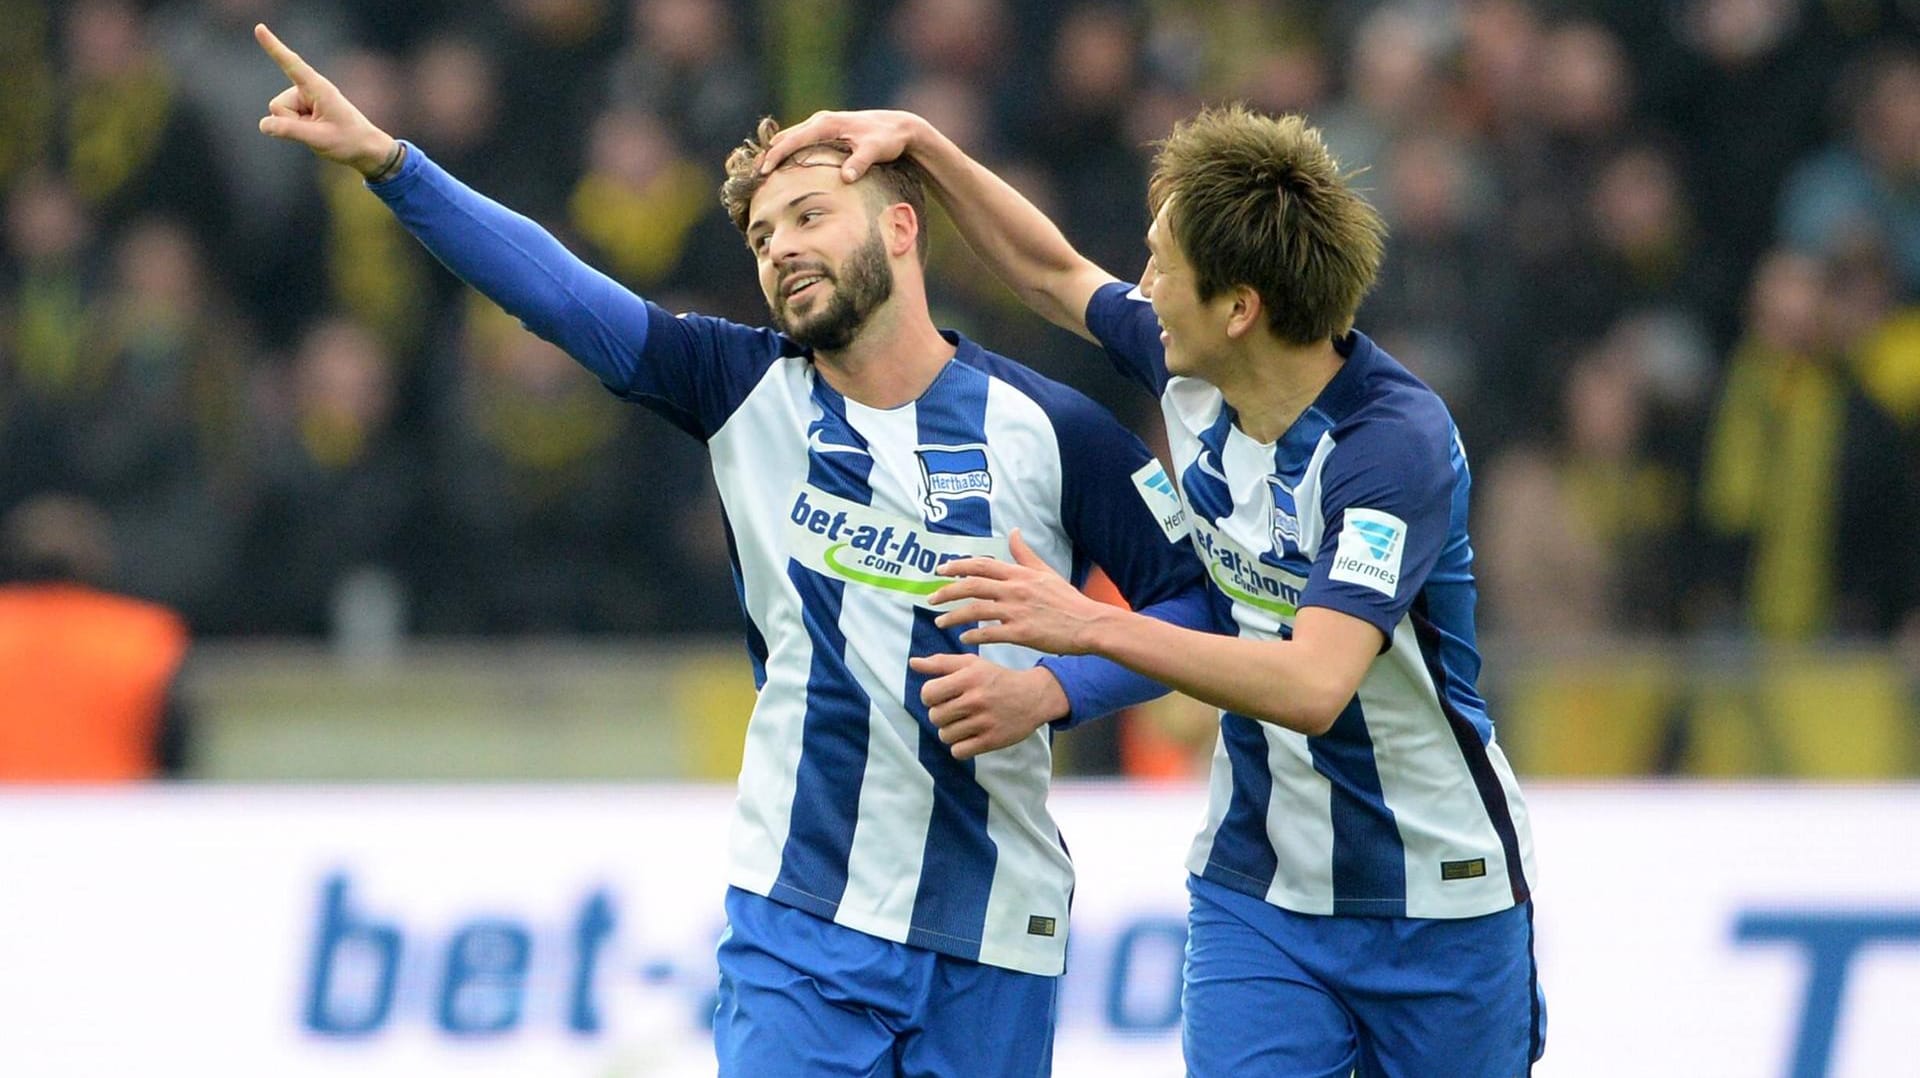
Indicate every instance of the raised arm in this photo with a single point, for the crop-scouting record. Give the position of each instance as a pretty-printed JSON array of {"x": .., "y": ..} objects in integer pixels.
[
  {"x": 1018, "y": 243},
  {"x": 503, "y": 255}
]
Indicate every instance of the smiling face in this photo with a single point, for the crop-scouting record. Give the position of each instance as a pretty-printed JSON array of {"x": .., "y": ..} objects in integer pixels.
[
  {"x": 1191, "y": 330},
  {"x": 817, "y": 244}
]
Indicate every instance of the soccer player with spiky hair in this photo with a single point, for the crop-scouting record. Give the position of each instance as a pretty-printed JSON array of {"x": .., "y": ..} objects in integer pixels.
[
  {"x": 1361, "y": 895},
  {"x": 899, "y": 898}
]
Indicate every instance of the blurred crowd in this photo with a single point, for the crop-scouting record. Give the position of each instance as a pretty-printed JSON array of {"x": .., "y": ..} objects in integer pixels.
[{"x": 1662, "y": 257}]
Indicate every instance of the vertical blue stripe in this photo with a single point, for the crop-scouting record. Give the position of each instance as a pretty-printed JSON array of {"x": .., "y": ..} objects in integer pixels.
[
  {"x": 756, "y": 641},
  {"x": 1206, "y": 492},
  {"x": 1242, "y": 856},
  {"x": 1473, "y": 749},
  {"x": 1369, "y": 860},
  {"x": 833, "y": 740},
  {"x": 958, "y": 863}
]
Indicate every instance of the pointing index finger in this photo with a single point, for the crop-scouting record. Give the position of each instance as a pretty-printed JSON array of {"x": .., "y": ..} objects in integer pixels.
[{"x": 301, "y": 72}]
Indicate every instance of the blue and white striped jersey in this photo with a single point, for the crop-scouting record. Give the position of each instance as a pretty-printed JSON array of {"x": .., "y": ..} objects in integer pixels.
[
  {"x": 849, "y": 805},
  {"x": 1406, "y": 807}
]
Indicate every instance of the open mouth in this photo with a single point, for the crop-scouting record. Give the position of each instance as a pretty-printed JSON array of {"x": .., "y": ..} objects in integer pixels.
[{"x": 802, "y": 284}]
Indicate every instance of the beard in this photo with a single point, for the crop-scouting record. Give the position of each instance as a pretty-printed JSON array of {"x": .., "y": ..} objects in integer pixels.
[{"x": 864, "y": 282}]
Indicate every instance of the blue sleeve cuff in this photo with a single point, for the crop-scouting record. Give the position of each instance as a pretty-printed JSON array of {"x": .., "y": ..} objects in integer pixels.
[{"x": 1097, "y": 686}]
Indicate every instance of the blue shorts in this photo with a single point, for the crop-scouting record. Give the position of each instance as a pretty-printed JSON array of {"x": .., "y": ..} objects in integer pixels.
[
  {"x": 1292, "y": 995},
  {"x": 800, "y": 995}
]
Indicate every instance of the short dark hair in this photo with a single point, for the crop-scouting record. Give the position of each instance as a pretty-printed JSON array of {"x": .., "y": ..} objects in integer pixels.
[
  {"x": 1259, "y": 201},
  {"x": 900, "y": 180}
]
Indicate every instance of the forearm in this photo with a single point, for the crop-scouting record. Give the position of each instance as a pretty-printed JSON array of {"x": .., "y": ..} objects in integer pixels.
[
  {"x": 1274, "y": 681},
  {"x": 1097, "y": 686},
  {"x": 1021, "y": 245},
  {"x": 519, "y": 265}
]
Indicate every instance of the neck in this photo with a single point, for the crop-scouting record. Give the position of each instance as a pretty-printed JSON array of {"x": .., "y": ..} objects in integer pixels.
[
  {"x": 893, "y": 359},
  {"x": 1274, "y": 384}
]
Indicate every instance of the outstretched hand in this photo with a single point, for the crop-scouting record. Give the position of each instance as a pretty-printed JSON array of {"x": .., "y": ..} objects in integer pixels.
[
  {"x": 314, "y": 113},
  {"x": 872, "y": 136},
  {"x": 1025, "y": 601}
]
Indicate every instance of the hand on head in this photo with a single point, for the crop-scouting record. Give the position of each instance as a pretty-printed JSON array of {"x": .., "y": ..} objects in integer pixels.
[{"x": 872, "y": 136}]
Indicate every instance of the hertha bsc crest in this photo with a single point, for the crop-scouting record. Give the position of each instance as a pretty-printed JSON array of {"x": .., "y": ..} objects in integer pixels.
[
  {"x": 1286, "y": 524},
  {"x": 952, "y": 472}
]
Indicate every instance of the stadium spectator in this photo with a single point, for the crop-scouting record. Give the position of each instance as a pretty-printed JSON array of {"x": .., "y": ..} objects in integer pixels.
[
  {"x": 1582, "y": 535},
  {"x": 685, "y": 63},
  {"x": 1808, "y": 484},
  {"x": 1328, "y": 490},
  {"x": 339, "y": 487},
  {"x": 852, "y": 450},
  {"x": 88, "y": 679},
  {"x": 1866, "y": 189},
  {"x": 130, "y": 141},
  {"x": 156, "y": 433}
]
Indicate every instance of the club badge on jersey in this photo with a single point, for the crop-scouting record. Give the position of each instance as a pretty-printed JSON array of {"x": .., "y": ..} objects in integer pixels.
[{"x": 950, "y": 473}]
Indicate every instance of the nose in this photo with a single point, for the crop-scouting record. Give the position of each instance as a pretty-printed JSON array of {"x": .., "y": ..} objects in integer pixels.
[
  {"x": 782, "y": 246},
  {"x": 1146, "y": 278}
]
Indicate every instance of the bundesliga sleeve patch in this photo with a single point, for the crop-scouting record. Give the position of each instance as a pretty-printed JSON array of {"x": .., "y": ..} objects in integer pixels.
[
  {"x": 1157, "y": 490},
  {"x": 1371, "y": 544}
]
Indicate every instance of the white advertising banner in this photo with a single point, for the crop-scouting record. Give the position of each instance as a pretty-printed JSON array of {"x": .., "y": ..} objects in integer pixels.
[{"x": 480, "y": 931}]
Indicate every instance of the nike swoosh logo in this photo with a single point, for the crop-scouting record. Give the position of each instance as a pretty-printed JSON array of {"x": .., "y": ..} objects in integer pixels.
[
  {"x": 821, "y": 445},
  {"x": 1201, "y": 460}
]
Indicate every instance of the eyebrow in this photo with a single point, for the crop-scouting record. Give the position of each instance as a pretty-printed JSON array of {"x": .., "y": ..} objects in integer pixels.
[{"x": 761, "y": 223}]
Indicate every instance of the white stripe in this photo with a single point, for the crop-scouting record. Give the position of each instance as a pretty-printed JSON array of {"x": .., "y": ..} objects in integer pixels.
[
  {"x": 1306, "y": 498},
  {"x": 750, "y": 482},
  {"x": 1219, "y": 794},
  {"x": 1033, "y": 876},
  {"x": 1299, "y": 824},
  {"x": 1426, "y": 783},
  {"x": 896, "y": 801}
]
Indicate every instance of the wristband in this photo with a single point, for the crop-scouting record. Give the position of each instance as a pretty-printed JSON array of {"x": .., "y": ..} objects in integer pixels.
[{"x": 392, "y": 163}]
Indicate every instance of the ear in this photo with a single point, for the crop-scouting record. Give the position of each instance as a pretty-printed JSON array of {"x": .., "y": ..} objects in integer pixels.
[
  {"x": 901, "y": 227},
  {"x": 1246, "y": 313}
]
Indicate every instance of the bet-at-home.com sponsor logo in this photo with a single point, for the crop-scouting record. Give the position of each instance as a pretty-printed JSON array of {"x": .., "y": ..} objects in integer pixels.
[
  {"x": 1242, "y": 577},
  {"x": 894, "y": 555}
]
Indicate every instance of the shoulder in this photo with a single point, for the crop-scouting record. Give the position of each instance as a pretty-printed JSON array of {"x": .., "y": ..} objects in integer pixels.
[
  {"x": 1066, "y": 407},
  {"x": 1391, "y": 420}
]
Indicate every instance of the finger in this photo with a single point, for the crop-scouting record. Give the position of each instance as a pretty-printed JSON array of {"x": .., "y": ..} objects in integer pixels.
[
  {"x": 301, "y": 72},
  {"x": 942, "y": 691},
  {"x": 969, "y": 747},
  {"x": 992, "y": 568},
  {"x": 949, "y": 713},
  {"x": 806, "y": 133},
  {"x": 1023, "y": 554},
  {"x": 939, "y": 665},
  {"x": 291, "y": 128},
  {"x": 972, "y": 587},
  {"x": 972, "y": 612},
  {"x": 289, "y": 102},
  {"x": 856, "y": 164},
  {"x": 964, "y": 731},
  {"x": 989, "y": 634}
]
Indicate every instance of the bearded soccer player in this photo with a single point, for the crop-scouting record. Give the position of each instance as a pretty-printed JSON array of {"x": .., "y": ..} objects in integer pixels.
[
  {"x": 1361, "y": 897},
  {"x": 899, "y": 901}
]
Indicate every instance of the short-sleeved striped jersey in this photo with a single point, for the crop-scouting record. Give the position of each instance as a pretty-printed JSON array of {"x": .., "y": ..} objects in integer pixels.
[
  {"x": 849, "y": 805},
  {"x": 1406, "y": 807}
]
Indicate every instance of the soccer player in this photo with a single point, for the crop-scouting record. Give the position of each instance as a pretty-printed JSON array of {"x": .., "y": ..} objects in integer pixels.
[
  {"x": 899, "y": 901},
  {"x": 1360, "y": 890}
]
